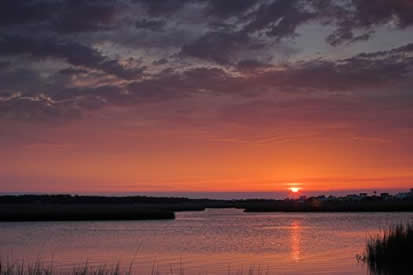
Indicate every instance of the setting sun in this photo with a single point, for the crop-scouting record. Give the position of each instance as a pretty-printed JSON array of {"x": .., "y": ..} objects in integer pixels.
[{"x": 295, "y": 189}]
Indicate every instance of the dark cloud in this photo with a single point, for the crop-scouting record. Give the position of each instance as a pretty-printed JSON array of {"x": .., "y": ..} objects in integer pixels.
[
  {"x": 364, "y": 16},
  {"x": 166, "y": 86},
  {"x": 229, "y": 8},
  {"x": 221, "y": 47},
  {"x": 367, "y": 70},
  {"x": 37, "y": 108},
  {"x": 162, "y": 7},
  {"x": 151, "y": 25},
  {"x": 161, "y": 61},
  {"x": 85, "y": 16},
  {"x": 252, "y": 65},
  {"x": 16, "y": 12},
  {"x": 74, "y": 53},
  {"x": 401, "y": 52},
  {"x": 63, "y": 16},
  {"x": 214, "y": 8},
  {"x": 63, "y": 57},
  {"x": 73, "y": 71},
  {"x": 370, "y": 13},
  {"x": 20, "y": 80},
  {"x": 274, "y": 18},
  {"x": 279, "y": 18},
  {"x": 381, "y": 72},
  {"x": 4, "y": 65}
]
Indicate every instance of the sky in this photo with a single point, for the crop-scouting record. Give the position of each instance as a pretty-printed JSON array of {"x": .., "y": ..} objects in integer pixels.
[{"x": 205, "y": 95}]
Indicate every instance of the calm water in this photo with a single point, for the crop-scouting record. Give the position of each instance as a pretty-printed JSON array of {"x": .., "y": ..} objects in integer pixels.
[{"x": 216, "y": 241}]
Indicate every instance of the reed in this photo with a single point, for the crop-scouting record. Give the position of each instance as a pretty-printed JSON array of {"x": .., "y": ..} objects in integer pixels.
[
  {"x": 390, "y": 252},
  {"x": 39, "y": 268}
]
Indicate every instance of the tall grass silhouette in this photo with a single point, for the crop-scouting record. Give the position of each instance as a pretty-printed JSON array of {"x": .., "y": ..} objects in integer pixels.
[
  {"x": 390, "y": 252},
  {"x": 39, "y": 268}
]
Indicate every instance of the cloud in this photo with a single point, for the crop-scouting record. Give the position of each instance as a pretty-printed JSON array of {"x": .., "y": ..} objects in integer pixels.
[
  {"x": 229, "y": 8},
  {"x": 401, "y": 52},
  {"x": 374, "y": 70},
  {"x": 4, "y": 65},
  {"x": 84, "y": 55},
  {"x": 278, "y": 19},
  {"x": 252, "y": 65},
  {"x": 73, "y": 71},
  {"x": 363, "y": 16},
  {"x": 74, "y": 53},
  {"x": 221, "y": 47},
  {"x": 37, "y": 108},
  {"x": 162, "y": 7},
  {"x": 63, "y": 16},
  {"x": 370, "y": 13},
  {"x": 151, "y": 25},
  {"x": 380, "y": 72},
  {"x": 161, "y": 61},
  {"x": 353, "y": 20},
  {"x": 85, "y": 16},
  {"x": 16, "y": 12}
]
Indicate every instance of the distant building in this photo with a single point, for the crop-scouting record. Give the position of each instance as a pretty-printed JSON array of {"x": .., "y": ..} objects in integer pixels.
[
  {"x": 322, "y": 198},
  {"x": 385, "y": 196},
  {"x": 353, "y": 197},
  {"x": 404, "y": 195},
  {"x": 363, "y": 195}
]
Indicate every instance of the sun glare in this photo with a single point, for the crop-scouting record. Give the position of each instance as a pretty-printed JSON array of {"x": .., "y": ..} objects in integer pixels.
[{"x": 295, "y": 189}]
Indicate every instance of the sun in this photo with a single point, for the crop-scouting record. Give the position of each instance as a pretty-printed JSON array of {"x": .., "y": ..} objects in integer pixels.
[{"x": 294, "y": 189}]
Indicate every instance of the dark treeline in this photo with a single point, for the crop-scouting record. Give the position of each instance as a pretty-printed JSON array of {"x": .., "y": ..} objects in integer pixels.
[
  {"x": 74, "y": 207},
  {"x": 170, "y": 203},
  {"x": 315, "y": 205},
  {"x": 76, "y": 199}
]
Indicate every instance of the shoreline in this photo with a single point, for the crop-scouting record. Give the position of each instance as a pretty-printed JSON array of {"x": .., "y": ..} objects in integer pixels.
[{"x": 95, "y": 208}]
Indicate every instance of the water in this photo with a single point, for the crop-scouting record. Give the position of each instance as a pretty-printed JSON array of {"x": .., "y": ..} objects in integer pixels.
[{"x": 216, "y": 241}]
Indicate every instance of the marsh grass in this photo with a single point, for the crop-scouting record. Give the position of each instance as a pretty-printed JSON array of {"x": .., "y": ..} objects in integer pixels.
[
  {"x": 39, "y": 268},
  {"x": 390, "y": 252},
  {"x": 21, "y": 268}
]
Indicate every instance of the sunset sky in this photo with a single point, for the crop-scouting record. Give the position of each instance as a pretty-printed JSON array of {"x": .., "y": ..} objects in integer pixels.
[{"x": 205, "y": 95}]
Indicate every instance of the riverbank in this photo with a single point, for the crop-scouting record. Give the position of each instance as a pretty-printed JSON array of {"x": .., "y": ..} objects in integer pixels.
[
  {"x": 315, "y": 205},
  {"x": 83, "y": 212},
  {"x": 81, "y": 208},
  {"x": 95, "y": 208}
]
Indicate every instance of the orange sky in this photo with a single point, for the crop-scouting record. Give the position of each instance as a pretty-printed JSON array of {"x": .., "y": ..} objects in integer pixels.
[{"x": 105, "y": 157}]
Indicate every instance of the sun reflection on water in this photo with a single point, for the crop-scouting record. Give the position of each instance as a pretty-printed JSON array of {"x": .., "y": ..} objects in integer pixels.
[{"x": 296, "y": 240}]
